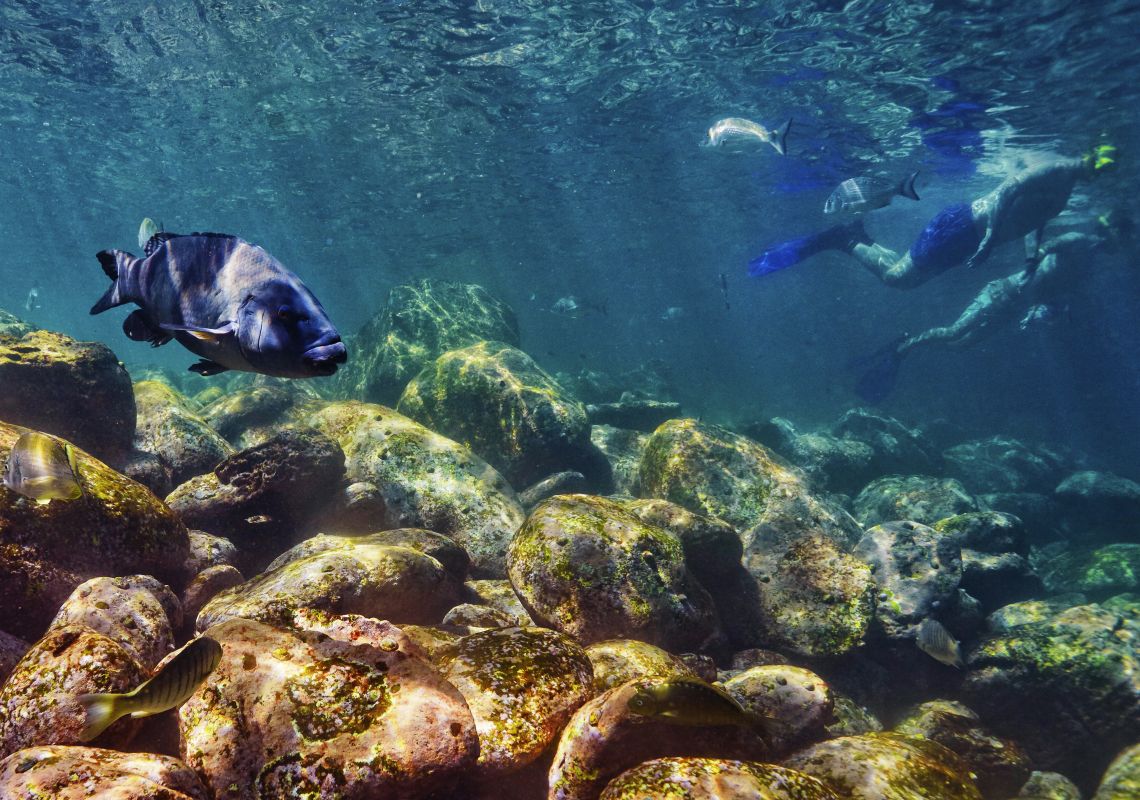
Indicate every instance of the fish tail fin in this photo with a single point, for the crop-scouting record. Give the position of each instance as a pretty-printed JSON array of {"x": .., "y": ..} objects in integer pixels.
[
  {"x": 881, "y": 371},
  {"x": 102, "y": 710},
  {"x": 906, "y": 188},
  {"x": 117, "y": 265},
  {"x": 780, "y": 136}
]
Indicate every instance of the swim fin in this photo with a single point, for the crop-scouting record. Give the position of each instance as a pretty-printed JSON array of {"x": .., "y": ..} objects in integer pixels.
[
  {"x": 793, "y": 251},
  {"x": 881, "y": 371}
]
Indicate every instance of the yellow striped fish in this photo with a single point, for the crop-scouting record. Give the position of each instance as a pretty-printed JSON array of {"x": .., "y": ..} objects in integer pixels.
[
  {"x": 43, "y": 468},
  {"x": 170, "y": 688}
]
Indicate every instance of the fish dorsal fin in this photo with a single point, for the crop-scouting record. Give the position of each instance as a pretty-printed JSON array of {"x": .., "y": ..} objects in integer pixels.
[
  {"x": 158, "y": 240},
  {"x": 212, "y": 235}
]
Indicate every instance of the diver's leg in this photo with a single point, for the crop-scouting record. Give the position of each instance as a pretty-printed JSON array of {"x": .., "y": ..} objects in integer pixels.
[{"x": 884, "y": 263}]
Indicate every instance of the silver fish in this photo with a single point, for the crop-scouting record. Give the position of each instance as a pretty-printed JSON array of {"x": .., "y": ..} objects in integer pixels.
[
  {"x": 169, "y": 688},
  {"x": 740, "y": 128},
  {"x": 938, "y": 643},
  {"x": 43, "y": 468},
  {"x": 226, "y": 300},
  {"x": 571, "y": 306},
  {"x": 856, "y": 195}
]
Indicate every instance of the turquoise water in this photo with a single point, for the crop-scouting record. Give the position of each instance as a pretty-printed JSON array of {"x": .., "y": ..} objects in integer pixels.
[{"x": 545, "y": 150}]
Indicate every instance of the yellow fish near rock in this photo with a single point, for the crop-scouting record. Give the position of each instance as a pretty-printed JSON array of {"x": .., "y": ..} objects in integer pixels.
[{"x": 43, "y": 469}]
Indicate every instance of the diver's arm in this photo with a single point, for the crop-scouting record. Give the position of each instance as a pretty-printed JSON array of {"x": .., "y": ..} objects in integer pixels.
[{"x": 994, "y": 207}]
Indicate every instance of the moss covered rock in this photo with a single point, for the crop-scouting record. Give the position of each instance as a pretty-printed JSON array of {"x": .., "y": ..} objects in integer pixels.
[
  {"x": 897, "y": 448},
  {"x": 522, "y": 685},
  {"x": 420, "y": 322},
  {"x": 1096, "y": 571},
  {"x": 1122, "y": 778},
  {"x": 714, "y": 779},
  {"x": 76, "y": 390},
  {"x": 997, "y": 579},
  {"x": 986, "y": 531},
  {"x": 12, "y": 326},
  {"x": 887, "y": 766},
  {"x": 170, "y": 429},
  {"x": 499, "y": 595},
  {"x": 117, "y": 528},
  {"x": 1066, "y": 687},
  {"x": 918, "y": 498},
  {"x": 358, "y": 576},
  {"x": 12, "y": 649},
  {"x": 586, "y": 566},
  {"x": 1000, "y": 766},
  {"x": 1100, "y": 505},
  {"x": 251, "y": 415},
  {"x": 496, "y": 400},
  {"x": 1003, "y": 464},
  {"x": 38, "y": 701},
  {"x": 287, "y": 714},
  {"x": 617, "y": 661},
  {"x": 622, "y": 448},
  {"x": 79, "y": 773},
  {"x": 400, "y": 474},
  {"x": 831, "y": 462},
  {"x": 798, "y": 700}
]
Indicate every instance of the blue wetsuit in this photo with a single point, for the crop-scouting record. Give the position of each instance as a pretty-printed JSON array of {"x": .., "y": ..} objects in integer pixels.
[{"x": 948, "y": 239}]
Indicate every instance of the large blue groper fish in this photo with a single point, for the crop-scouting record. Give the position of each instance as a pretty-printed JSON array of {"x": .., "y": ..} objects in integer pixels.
[{"x": 223, "y": 299}]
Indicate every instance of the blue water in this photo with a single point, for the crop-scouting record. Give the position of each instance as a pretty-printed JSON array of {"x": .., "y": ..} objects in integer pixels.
[{"x": 545, "y": 150}]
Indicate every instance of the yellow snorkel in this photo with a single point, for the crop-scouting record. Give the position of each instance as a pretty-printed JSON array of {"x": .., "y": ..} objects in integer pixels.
[{"x": 1100, "y": 157}]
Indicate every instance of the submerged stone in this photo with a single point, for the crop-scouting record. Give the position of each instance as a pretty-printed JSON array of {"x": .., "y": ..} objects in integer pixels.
[
  {"x": 169, "y": 429},
  {"x": 62, "y": 772},
  {"x": 919, "y": 498},
  {"x": 617, "y": 661},
  {"x": 1122, "y": 778},
  {"x": 714, "y": 779}
]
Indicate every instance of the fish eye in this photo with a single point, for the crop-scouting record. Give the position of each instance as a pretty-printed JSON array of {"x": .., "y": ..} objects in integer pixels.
[{"x": 287, "y": 314}]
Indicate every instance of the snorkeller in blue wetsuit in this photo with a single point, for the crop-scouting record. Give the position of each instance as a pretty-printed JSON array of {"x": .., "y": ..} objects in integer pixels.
[{"x": 965, "y": 232}]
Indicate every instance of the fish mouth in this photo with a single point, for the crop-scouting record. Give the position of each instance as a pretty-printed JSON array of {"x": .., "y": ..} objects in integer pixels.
[{"x": 323, "y": 360}]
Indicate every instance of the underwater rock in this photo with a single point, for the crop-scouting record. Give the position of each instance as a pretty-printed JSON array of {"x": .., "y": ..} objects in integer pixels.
[
  {"x": 1104, "y": 505},
  {"x": 76, "y": 390},
  {"x": 522, "y": 685},
  {"x": 12, "y": 649},
  {"x": 586, "y": 566},
  {"x": 919, "y": 498},
  {"x": 636, "y": 415},
  {"x": 898, "y": 449},
  {"x": 1014, "y": 615},
  {"x": 38, "y": 701},
  {"x": 208, "y": 550},
  {"x": 797, "y": 699},
  {"x": 266, "y": 493},
  {"x": 616, "y": 661},
  {"x": 63, "y": 772},
  {"x": 359, "y": 575},
  {"x": 137, "y": 612},
  {"x": 832, "y": 463},
  {"x": 289, "y": 714},
  {"x": 997, "y": 579},
  {"x": 1002, "y": 464},
  {"x": 887, "y": 766},
  {"x": 205, "y": 585},
  {"x": 1122, "y": 778},
  {"x": 419, "y": 323},
  {"x": 622, "y": 449},
  {"x": 714, "y": 779},
  {"x": 805, "y": 595},
  {"x": 500, "y": 595},
  {"x": 473, "y": 616},
  {"x": 1000, "y": 767},
  {"x": 851, "y": 719},
  {"x": 917, "y": 571},
  {"x": 444, "y": 550},
  {"x": 117, "y": 528},
  {"x": 568, "y": 482},
  {"x": 1039, "y": 513},
  {"x": 496, "y": 400},
  {"x": 171, "y": 431},
  {"x": 252, "y": 415},
  {"x": 1065, "y": 687},
  {"x": 1049, "y": 786},
  {"x": 605, "y": 737},
  {"x": 986, "y": 531},
  {"x": 400, "y": 474},
  {"x": 14, "y": 327},
  {"x": 712, "y": 547},
  {"x": 1096, "y": 571}
]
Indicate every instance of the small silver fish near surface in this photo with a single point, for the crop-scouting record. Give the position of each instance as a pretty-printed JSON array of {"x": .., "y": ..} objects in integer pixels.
[
  {"x": 42, "y": 468},
  {"x": 857, "y": 195},
  {"x": 172, "y": 686},
  {"x": 938, "y": 643},
  {"x": 731, "y": 128}
]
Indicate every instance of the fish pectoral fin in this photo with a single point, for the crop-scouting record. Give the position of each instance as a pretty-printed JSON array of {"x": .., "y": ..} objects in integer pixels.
[
  {"x": 203, "y": 334},
  {"x": 206, "y": 368}
]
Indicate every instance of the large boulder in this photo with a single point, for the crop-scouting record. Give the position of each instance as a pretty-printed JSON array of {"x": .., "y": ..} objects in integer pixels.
[
  {"x": 76, "y": 390},
  {"x": 586, "y": 566},
  {"x": 12, "y": 326},
  {"x": 1122, "y": 778},
  {"x": 419, "y": 323},
  {"x": 117, "y": 528},
  {"x": 1002, "y": 464},
  {"x": 1066, "y": 687},
  {"x": 799, "y": 699},
  {"x": 622, "y": 448},
  {"x": 63, "y": 772},
  {"x": 833, "y": 463},
  {"x": 714, "y": 779},
  {"x": 400, "y": 474},
  {"x": 897, "y": 448},
  {"x": 919, "y": 498},
  {"x": 171, "y": 430},
  {"x": 616, "y": 661},
  {"x": 1098, "y": 572},
  {"x": 249, "y": 416},
  {"x": 289, "y": 714},
  {"x": 496, "y": 400},
  {"x": 1101, "y": 505}
]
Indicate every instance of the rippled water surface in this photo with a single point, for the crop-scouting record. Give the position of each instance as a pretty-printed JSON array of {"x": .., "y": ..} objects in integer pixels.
[{"x": 547, "y": 149}]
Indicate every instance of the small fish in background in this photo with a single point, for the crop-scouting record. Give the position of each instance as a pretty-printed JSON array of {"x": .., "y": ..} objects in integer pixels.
[
  {"x": 169, "y": 688},
  {"x": 724, "y": 290},
  {"x": 43, "y": 468},
  {"x": 857, "y": 195},
  {"x": 1037, "y": 315},
  {"x": 672, "y": 313},
  {"x": 731, "y": 128},
  {"x": 32, "y": 303},
  {"x": 573, "y": 307},
  {"x": 148, "y": 229},
  {"x": 938, "y": 643},
  {"x": 690, "y": 701}
]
